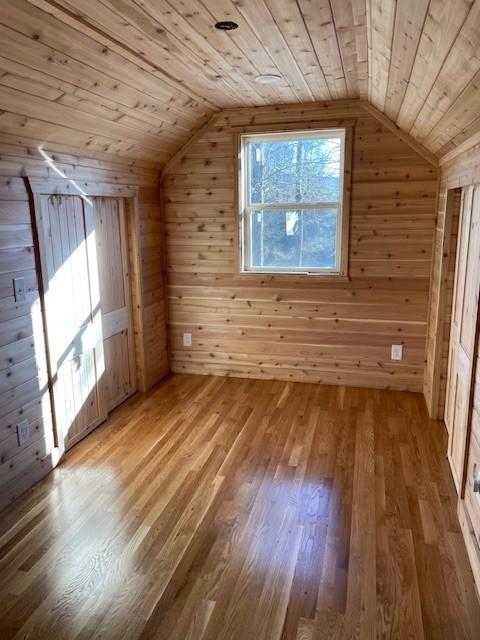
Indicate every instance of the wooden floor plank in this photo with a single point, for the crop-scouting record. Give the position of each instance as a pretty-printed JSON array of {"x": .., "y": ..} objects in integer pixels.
[{"x": 237, "y": 509}]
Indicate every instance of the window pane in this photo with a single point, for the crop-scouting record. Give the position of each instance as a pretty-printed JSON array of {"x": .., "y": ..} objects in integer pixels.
[
  {"x": 293, "y": 239},
  {"x": 295, "y": 170}
]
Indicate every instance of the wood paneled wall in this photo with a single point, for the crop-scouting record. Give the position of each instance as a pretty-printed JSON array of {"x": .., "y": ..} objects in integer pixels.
[
  {"x": 455, "y": 172},
  {"x": 153, "y": 287},
  {"x": 23, "y": 379},
  {"x": 302, "y": 328},
  {"x": 23, "y": 376}
]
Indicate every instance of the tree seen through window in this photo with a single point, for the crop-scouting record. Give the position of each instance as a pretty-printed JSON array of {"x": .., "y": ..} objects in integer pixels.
[{"x": 293, "y": 194}]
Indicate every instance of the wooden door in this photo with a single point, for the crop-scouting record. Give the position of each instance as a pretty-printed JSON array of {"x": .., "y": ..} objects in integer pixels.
[
  {"x": 118, "y": 342},
  {"x": 463, "y": 331},
  {"x": 73, "y": 317}
]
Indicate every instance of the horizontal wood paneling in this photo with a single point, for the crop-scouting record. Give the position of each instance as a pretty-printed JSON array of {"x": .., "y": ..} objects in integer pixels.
[
  {"x": 302, "y": 328},
  {"x": 23, "y": 379}
]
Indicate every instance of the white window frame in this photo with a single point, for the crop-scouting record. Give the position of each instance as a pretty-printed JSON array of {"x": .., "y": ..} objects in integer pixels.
[{"x": 246, "y": 208}]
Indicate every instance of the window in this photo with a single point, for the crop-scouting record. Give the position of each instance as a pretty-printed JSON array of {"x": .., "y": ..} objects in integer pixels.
[{"x": 291, "y": 200}]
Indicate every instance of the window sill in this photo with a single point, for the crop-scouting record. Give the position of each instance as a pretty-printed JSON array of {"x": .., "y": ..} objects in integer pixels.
[{"x": 292, "y": 277}]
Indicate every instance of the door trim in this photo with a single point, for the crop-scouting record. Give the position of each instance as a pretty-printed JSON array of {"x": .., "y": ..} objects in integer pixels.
[{"x": 461, "y": 362}]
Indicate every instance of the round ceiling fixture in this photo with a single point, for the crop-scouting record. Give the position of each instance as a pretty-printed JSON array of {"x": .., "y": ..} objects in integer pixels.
[
  {"x": 226, "y": 25},
  {"x": 268, "y": 78}
]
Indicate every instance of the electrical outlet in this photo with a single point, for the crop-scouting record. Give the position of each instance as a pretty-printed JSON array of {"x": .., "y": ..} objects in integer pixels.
[
  {"x": 397, "y": 352},
  {"x": 19, "y": 289},
  {"x": 23, "y": 432},
  {"x": 187, "y": 339}
]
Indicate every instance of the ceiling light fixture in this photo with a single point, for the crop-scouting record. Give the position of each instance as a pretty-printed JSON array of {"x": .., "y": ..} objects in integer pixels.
[
  {"x": 268, "y": 78},
  {"x": 226, "y": 25}
]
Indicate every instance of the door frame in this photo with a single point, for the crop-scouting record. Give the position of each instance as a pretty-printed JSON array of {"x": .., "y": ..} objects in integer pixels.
[
  {"x": 453, "y": 230},
  {"x": 460, "y": 481},
  {"x": 39, "y": 187},
  {"x": 439, "y": 316}
]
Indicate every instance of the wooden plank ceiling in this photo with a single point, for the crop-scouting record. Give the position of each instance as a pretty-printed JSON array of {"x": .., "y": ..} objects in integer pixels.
[{"x": 137, "y": 77}]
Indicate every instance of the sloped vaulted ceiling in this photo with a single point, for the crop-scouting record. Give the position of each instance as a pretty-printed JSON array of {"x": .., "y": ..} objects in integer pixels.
[{"x": 138, "y": 77}]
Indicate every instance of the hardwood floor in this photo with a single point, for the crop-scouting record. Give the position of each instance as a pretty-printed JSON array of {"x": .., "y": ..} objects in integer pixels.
[{"x": 220, "y": 508}]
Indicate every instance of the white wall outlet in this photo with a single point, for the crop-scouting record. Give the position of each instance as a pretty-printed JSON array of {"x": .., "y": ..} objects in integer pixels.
[
  {"x": 397, "y": 352},
  {"x": 187, "y": 339},
  {"x": 23, "y": 432}
]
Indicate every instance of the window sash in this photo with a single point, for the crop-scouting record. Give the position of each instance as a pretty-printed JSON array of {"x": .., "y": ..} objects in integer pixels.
[
  {"x": 247, "y": 208},
  {"x": 248, "y": 140},
  {"x": 247, "y": 241},
  {"x": 292, "y": 206}
]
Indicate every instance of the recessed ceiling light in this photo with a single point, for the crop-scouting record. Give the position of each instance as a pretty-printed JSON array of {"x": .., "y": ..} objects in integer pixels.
[
  {"x": 268, "y": 78},
  {"x": 226, "y": 25}
]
